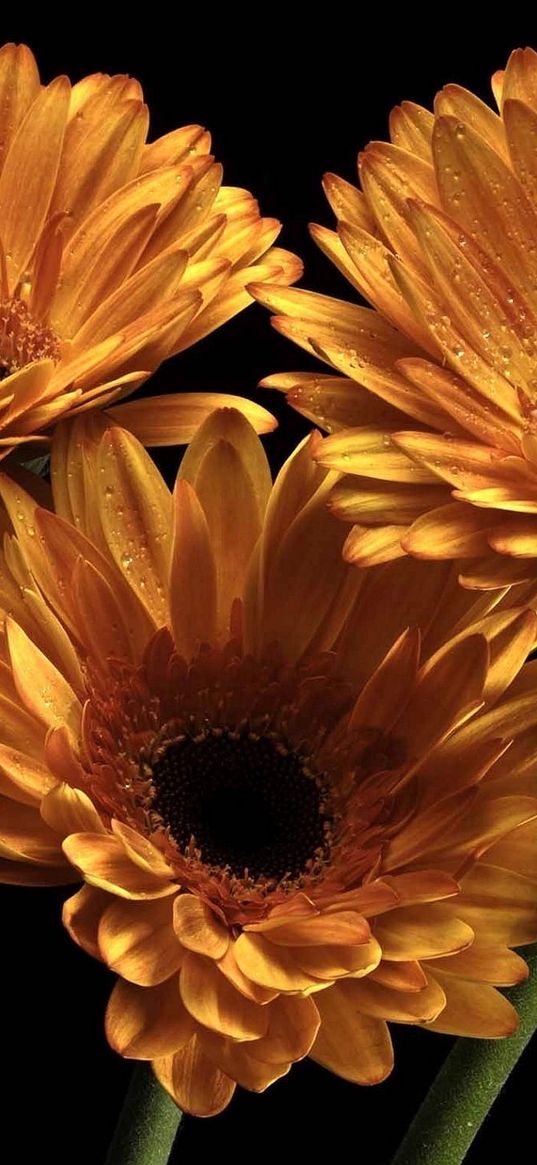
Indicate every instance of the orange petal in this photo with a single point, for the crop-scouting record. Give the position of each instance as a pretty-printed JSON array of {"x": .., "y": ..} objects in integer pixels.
[
  {"x": 145, "y": 1022},
  {"x": 389, "y": 688},
  {"x": 81, "y": 915},
  {"x": 69, "y": 810},
  {"x": 293, "y": 1024},
  {"x": 421, "y": 932},
  {"x": 382, "y": 1002},
  {"x": 103, "y": 862},
  {"x": 487, "y": 964},
  {"x": 193, "y": 1081},
  {"x": 369, "y": 452},
  {"x": 192, "y": 594},
  {"x": 19, "y": 86},
  {"x": 411, "y": 128},
  {"x": 472, "y": 1009},
  {"x": 136, "y": 509},
  {"x": 198, "y": 928},
  {"x": 29, "y": 174},
  {"x": 175, "y": 418},
  {"x": 452, "y": 531},
  {"x": 333, "y": 962},
  {"x": 500, "y": 905},
  {"x": 22, "y": 777},
  {"x": 269, "y": 966},
  {"x": 42, "y": 688},
  {"x": 400, "y": 976},
  {"x": 448, "y": 685},
  {"x": 213, "y": 1001},
  {"x": 344, "y": 928},
  {"x": 141, "y": 850},
  {"x": 137, "y": 940},
  {"x": 354, "y": 1046},
  {"x": 238, "y": 1061},
  {"x": 227, "y": 467},
  {"x": 366, "y": 546}
]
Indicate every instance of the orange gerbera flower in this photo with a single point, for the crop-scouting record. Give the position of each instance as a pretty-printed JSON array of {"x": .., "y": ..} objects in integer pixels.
[
  {"x": 442, "y": 241},
  {"x": 293, "y": 821},
  {"x": 114, "y": 253}
]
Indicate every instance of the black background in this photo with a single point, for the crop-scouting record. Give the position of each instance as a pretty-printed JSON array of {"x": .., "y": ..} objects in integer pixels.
[{"x": 287, "y": 95}]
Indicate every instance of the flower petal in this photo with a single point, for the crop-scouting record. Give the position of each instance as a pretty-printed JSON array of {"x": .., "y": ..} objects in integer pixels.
[
  {"x": 192, "y": 595},
  {"x": 81, "y": 915},
  {"x": 193, "y": 1081},
  {"x": 354, "y": 1046},
  {"x": 29, "y": 174},
  {"x": 41, "y": 687},
  {"x": 104, "y": 863},
  {"x": 145, "y": 1022},
  {"x": 270, "y": 966},
  {"x": 175, "y": 418},
  {"x": 137, "y": 940},
  {"x": 213, "y": 1001},
  {"x": 197, "y": 927},
  {"x": 472, "y": 1009},
  {"x": 421, "y": 932}
]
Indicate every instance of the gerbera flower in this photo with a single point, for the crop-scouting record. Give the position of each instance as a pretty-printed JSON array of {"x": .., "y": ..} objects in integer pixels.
[
  {"x": 114, "y": 253},
  {"x": 435, "y": 422},
  {"x": 294, "y": 821}
]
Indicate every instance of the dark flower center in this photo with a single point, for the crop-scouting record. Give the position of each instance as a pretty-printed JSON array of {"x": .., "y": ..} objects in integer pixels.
[{"x": 247, "y": 802}]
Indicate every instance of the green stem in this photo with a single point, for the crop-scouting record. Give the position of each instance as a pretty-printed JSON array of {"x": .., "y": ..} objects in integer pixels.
[
  {"x": 467, "y": 1085},
  {"x": 147, "y": 1124}
]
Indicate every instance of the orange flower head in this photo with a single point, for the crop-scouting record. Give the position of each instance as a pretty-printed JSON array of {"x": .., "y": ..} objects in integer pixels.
[
  {"x": 301, "y": 796},
  {"x": 114, "y": 253},
  {"x": 434, "y": 422}
]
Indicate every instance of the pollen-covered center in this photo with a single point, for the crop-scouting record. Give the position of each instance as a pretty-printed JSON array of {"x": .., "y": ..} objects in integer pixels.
[
  {"x": 23, "y": 339},
  {"x": 247, "y": 803}
]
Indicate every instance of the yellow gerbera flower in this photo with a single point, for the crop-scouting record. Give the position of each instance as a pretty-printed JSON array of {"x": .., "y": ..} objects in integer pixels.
[
  {"x": 114, "y": 253},
  {"x": 442, "y": 240},
  {"x": 294, "y": 821}
]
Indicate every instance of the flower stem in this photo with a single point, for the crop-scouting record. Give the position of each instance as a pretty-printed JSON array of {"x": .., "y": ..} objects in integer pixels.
[
  {"x": 467, "y": 1085},
  {"x": 147, "y": 1124}
]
